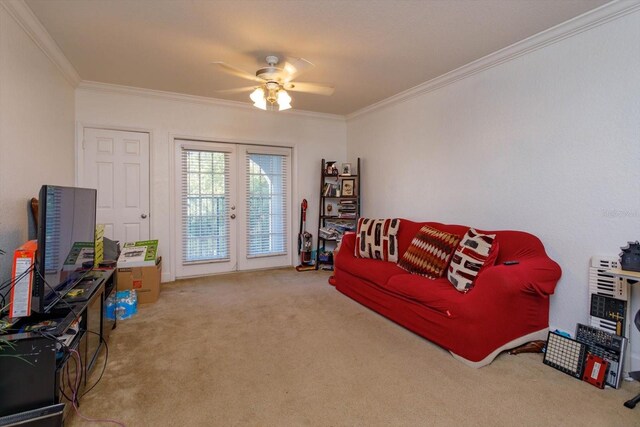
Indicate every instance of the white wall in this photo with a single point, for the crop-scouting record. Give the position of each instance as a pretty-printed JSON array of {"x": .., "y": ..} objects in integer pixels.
[
  {"x": 313, "y": 137},
  {"x": 36, "y": 131},
  {"x": 548, "y": 142}
]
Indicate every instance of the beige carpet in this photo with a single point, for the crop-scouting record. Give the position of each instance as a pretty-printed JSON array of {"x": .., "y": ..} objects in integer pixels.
[{"x": 281, "y": 348}]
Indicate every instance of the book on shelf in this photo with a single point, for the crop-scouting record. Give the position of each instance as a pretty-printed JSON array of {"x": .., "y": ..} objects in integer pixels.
[
  {"x": 340, "y": 225},
  {"x": 330, "y": 190},
  {"x": 329, "y": 233}
]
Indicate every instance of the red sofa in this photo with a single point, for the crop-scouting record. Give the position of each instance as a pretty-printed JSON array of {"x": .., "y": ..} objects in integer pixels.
[{"x": 507, "y": 307}]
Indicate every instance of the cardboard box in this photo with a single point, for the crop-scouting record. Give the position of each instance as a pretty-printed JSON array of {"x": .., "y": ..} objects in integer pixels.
[
  {"x": 145, "y": 280},
  {"x": 138, "y": 254},
  {"x": 24, "y": 259}
]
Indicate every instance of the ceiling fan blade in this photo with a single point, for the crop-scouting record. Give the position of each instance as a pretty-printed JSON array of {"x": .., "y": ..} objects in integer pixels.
[
  {"x": 296, "y": 66},
  {"x": 237, "y": 90},
  {"x": 315, "y": 88},
  {"x": 236, "y": 71}
]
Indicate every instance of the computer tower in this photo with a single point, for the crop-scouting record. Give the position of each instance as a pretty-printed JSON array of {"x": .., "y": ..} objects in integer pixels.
[{"x": 27, "y": 381}]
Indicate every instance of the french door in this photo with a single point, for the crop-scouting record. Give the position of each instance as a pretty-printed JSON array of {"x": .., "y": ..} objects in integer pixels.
[{"x": 233, "y": 207}]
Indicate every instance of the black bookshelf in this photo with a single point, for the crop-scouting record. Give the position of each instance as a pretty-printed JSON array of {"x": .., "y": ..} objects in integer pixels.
[{"x": 346, "y": 213}]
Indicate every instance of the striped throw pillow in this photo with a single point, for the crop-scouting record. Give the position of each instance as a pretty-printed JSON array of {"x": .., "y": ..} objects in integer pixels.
[
  {"x": 376, "y": 239},
  {"x": 429, "y": 253},
  {"x": 474, "y": 253}
]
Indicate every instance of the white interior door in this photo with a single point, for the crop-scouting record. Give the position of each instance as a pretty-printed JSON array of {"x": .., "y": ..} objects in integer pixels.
[
  {"x": 233, "y": 207},
  {"x": 116, "y": 163},
  {"x": 206, "y": 208}
]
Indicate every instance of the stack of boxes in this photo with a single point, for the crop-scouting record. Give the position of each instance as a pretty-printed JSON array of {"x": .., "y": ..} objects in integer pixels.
[{"x": 139, "y": 268}]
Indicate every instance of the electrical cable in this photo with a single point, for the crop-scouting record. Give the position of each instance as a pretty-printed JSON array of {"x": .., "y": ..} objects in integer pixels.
[
  {"x": 56, "y": 292},
  {"x": 79, "y": 371},
  {"x": 104, "y": 365},
  {"x": 12, "y": 283},
  {"x": 75, "y": 406},
  {"x": 77, "y": 360},
  {"x": 67, "y": 350},
  {"x": 12, "y": 280}
]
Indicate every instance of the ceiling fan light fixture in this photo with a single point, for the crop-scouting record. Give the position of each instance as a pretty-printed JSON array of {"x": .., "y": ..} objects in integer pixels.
[
  {"x": 270, "y": 94},
  {"x": 257, "y": 95},
  {"x": 261, "y": 104},
  {"x": 273, "y": 79},
  {"x": 284, "y": 100}
]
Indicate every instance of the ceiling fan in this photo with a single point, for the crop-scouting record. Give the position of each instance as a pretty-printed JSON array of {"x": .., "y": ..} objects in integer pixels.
[{"x": 273, "y": 82}]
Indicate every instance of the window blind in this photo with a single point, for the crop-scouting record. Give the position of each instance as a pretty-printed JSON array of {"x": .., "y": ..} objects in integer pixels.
[
  {"x": 266, "y": 196},
  {"x": 205, "y": 206}
]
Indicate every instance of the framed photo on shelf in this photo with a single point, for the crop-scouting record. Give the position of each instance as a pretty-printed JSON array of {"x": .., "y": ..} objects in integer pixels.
[
  {"x": 346, "y": 169},
  {"x": 331, "y": 169},
  {"x": 348, "y": 187}
]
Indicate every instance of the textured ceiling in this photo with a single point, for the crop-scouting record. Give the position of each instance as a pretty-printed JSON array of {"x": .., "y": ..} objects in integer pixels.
[{"x": 369, "y": 50}]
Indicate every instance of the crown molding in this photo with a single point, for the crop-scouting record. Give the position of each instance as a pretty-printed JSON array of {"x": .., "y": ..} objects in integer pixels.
[
  {"x": 596, "y": 17},
  {"x": 193, "y": 99},
  {"x": 23, "y": 15}
]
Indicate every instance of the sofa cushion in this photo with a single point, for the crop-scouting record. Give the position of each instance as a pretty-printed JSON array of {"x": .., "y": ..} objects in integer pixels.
[
  {"x": 376, "y": 239},
  {"x": 429, "y": 253},
  {"x": 372, "y": 270},
  {"x": 474, "y": 252},
  {"x": 436, "y": 294}
]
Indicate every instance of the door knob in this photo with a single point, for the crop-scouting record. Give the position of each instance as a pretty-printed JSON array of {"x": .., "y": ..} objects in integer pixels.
[
  {"x": 233, "y": 216},
  {"x": 143, "y": 216}
]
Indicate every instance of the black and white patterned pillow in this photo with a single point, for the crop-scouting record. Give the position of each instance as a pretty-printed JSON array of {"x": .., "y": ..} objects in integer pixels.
[{"x": 377, "y": 239}]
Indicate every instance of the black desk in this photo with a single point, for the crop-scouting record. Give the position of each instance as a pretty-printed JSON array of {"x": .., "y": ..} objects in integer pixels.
[{"x": 36, "y": 381}]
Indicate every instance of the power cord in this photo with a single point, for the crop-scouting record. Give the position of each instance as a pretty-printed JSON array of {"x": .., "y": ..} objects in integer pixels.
[
  {"x": 77, "y": 380},
  {"x": 56, "y": 292},
  {"x": 75, "y": 405},
  {"x": 67, "y": 350},
  {"x": 11, "y": 283},
  {"x": 73, "y": 353},
  {"x": 104, "y": 365}
]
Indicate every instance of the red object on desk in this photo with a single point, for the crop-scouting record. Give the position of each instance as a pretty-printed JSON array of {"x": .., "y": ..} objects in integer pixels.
[{"x": 22, "y": 275}]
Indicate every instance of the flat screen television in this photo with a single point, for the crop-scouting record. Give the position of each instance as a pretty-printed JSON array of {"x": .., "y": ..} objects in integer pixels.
[{"x": 66, "y": 239}]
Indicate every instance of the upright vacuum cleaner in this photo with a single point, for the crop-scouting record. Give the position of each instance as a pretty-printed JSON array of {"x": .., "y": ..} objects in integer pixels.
[{"x": 305, "y": 241}]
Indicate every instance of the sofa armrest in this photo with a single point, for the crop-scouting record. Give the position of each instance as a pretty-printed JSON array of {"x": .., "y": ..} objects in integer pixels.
[
  {"x": 347, "y": 248},
  {"x": 537, "y": 275}
]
